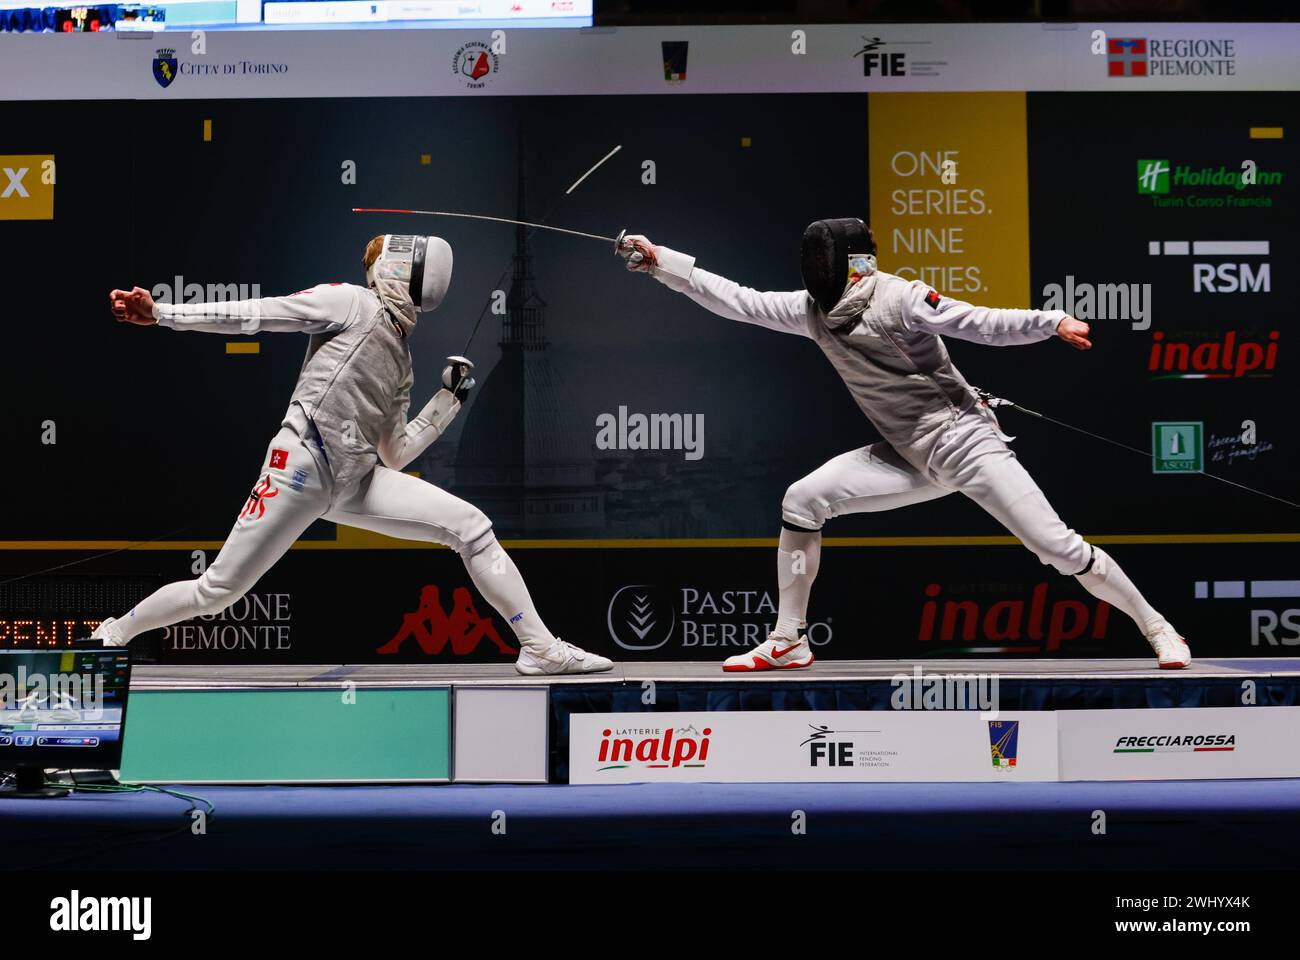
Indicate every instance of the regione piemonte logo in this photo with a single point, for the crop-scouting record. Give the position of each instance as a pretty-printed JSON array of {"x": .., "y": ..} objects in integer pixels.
[
  {"x": 1126, "y": 57},
  {"x": 1171, "y": 57},
  {"x": 640, "y": 617}
]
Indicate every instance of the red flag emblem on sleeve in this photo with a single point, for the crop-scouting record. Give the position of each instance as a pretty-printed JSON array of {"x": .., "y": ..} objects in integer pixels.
[
  {"x": 932, "y": 298},
  {"x": 278, "y": 459}
]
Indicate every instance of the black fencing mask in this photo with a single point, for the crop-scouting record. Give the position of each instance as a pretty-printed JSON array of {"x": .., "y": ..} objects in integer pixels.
[{"x": 824, "y": 257}]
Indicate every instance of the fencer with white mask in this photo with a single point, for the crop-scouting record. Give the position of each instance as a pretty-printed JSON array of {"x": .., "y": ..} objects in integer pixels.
[
  {"x": 345, "y": 440},
  {"x": 884, "y": 334}
]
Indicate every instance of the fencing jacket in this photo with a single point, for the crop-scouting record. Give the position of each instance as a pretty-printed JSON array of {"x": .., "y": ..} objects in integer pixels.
[
  {"x": 891, "y": 357},
  {"x": 355, "y": 384}
]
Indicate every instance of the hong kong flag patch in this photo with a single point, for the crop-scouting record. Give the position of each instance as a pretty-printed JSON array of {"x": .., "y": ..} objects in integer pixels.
[
  {"x": 279, "y": 458},
  {"x": 933, "y": 298}
]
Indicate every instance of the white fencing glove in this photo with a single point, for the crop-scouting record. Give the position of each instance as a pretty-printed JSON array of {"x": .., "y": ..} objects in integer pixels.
[{"x": 456, "y": 378}]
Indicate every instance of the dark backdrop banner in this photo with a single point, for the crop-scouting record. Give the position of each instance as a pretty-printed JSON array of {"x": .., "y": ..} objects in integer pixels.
[{"x": 1127, "y": 209}]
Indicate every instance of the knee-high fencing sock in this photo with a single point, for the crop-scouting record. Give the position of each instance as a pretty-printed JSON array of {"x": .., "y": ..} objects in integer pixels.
[
  {"x": 798, "y": 555},
  {"x": 1105, "y": 580},
  {"x": 498, "y": 579}
]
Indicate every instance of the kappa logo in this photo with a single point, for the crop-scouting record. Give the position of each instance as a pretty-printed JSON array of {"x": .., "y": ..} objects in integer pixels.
[
  {"x": 255, "y": 509},
  {"x": 641, "y": 617},
  {"x": 434, "y": 629}
]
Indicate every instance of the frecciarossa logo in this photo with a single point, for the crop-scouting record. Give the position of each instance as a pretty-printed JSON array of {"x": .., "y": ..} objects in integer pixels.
[
  {"x": 653, "y": 748},
  {"x": 1177, "y": 743}
]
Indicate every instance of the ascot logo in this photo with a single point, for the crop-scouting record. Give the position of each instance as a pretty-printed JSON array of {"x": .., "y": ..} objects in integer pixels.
[{"x": 1177, "y": 447}]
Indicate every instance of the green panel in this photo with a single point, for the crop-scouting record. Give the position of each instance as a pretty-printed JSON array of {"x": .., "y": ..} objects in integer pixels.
[{"x": 280, "y": 736}]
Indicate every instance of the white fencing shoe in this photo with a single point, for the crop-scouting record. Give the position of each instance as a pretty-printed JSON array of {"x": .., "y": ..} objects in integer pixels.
[
  {"x": 1172, "y": 652},
  {"x": 774, "y": 653},
  {"x": 561, "y": 657}
]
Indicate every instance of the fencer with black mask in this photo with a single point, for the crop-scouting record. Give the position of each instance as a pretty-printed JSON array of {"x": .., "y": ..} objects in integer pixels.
[
  {"x": 884, "y": 336},
  {"x": 345, "y": 440}
]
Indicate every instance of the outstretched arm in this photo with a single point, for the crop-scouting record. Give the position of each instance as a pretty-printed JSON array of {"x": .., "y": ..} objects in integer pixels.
[
  {"x": 401, "y": 440},
  {"x": 944, "y": 316},
  {"x": 322, "y": 309},
  {"x": 783, "y": 311}
]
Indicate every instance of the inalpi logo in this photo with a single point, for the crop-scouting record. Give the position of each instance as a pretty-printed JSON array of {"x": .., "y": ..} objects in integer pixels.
[{"x": 653, "y": 748}]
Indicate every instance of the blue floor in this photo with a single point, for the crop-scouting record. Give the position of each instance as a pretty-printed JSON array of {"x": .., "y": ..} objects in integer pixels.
[{"x": 1241, "y": 825}]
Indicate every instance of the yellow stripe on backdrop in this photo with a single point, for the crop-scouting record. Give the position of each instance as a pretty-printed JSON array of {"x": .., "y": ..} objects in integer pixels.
[
  {"x": 350, "y": 539},
  {"x": 950, "y": 192}
]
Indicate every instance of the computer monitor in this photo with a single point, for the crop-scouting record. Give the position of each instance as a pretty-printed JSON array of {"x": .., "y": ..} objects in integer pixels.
[{"x": 61, "y": 709}]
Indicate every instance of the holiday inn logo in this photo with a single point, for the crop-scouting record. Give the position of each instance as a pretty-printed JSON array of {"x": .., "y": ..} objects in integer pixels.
[
  {"x": 1183, "y": 185},
  {"x": 1177, "y": 447},
  {"x": 1153, "y": 176}
]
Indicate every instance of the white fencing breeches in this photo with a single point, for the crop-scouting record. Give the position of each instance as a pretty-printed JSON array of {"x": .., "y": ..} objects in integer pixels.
[
  {"x": 971, "y": 458},
  {"x": 296, "y": 488}
]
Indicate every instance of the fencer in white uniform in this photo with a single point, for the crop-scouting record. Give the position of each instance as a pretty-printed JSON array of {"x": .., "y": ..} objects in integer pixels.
[
  {"x": 884, "y": 336},
  {"x": 343, "y": 443}
]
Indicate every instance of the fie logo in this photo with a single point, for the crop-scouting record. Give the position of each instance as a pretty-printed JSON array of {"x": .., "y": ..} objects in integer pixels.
[{"x": 27, "y": 187}]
